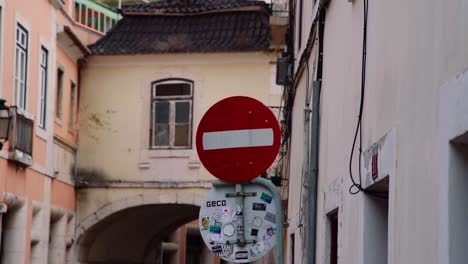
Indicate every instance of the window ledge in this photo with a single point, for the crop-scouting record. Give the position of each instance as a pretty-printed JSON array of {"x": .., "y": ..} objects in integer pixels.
[
  {"x": 170, "y": 153},
  {"x": 41, "y": 133},
  {"x": 20, "y": 158},
  {"x": 194, "y": 164}
]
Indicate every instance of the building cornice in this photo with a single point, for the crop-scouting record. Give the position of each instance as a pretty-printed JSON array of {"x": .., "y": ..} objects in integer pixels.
[{"x": 183, "y": 59}]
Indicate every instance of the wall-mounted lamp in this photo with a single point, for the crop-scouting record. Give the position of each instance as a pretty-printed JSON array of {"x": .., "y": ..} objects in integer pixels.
[{"x": 5, "y": 119}]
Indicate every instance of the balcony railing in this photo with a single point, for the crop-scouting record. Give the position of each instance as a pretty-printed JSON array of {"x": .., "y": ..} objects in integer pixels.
[
  {"x": 24, "y": 132},
  {"x": 21, "y": 137}
]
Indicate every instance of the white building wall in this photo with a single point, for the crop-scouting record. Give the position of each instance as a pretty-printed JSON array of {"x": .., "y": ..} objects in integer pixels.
[{"x": 414, "y": 48}]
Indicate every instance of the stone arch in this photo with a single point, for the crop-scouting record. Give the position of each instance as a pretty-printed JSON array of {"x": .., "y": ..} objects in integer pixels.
[{"x": 187, "y": 203}]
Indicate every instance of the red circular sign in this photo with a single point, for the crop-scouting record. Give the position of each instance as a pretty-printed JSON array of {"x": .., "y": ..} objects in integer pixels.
[{"x": 238, "y": 139}]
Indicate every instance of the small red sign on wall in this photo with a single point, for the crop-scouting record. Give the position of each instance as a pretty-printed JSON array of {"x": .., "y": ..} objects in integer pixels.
[{"x": 375, "y": 166}]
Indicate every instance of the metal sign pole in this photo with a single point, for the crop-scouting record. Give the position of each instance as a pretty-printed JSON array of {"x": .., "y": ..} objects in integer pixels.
[
  {"x": 279, "y": 211},
  {"x": 240, "y": 203}
]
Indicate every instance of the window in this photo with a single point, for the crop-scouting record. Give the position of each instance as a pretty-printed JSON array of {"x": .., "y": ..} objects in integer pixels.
[
  {"x": 89, "y": 23},
  {"x": 95, "y": 20},
  {"x": 21, "y": 66},
  {"x": 83, "y": 14},
  {"x": 58, "y": 102},
  {"x": 43, "y": 87},
  {"x": 77, "y": 12},
  {"x": 71, "y": 121},
  {"x": 102, "y": 21},
  {"x": 171, "y": 111}
]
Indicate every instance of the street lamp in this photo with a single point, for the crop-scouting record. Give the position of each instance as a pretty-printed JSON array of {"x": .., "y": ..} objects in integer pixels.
[{"x": 5, "y": 119}]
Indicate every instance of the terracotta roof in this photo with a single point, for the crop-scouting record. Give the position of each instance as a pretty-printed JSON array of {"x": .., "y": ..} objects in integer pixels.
[
  {"x": 189, "y": 6},
  {"x": 226, "y": 31}
]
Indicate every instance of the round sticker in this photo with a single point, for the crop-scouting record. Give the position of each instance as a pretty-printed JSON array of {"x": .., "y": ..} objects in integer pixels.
[{"x": 228, "y": 230}]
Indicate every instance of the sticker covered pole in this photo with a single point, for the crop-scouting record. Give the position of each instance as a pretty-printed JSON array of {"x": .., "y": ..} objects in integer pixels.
[{"x": 240, "y": 214}]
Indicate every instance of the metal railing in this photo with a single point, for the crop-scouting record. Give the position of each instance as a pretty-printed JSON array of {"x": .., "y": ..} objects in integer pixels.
[{"x": 22, "y": 132}]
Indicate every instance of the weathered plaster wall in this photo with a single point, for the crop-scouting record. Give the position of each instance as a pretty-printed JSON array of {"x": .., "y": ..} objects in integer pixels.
[
  {"x": 106, "y": 200},
  {"x": 115, "y": 110}
]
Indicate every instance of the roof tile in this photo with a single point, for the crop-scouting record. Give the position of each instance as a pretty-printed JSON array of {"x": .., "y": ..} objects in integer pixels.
[
  {"x": 209, "y": 32},
  {"x": 189, "y": 6}
]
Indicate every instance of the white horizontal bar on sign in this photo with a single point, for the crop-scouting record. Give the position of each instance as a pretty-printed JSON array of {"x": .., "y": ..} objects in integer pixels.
[{"x": 238, "y": 138}]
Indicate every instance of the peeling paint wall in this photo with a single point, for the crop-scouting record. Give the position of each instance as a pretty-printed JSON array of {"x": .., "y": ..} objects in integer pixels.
[{"x": 115, "y": 109}]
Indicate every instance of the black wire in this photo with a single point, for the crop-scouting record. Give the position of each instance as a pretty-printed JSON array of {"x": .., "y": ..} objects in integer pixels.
[{"x": 356, "y": 187}]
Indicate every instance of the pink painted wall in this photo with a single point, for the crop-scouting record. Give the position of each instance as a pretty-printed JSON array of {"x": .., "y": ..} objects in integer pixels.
[
  {"x": 70, "y": 70},
  {"x": 63, "y": 195},
  {"x": 40, "y": 19}
]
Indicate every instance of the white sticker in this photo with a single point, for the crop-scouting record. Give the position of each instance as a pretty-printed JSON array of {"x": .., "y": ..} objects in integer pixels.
[
  {"x": 229, "y": 230},
  {"x": 257, "y": 222},
  {"x": 257, "y": 249}
]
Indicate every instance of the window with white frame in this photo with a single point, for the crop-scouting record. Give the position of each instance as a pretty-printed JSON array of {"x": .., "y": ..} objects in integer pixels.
[
  {"x": 171, "y": 114},
  {"x": 43, "y": 87},
  {"x": 21, "y": 66}
]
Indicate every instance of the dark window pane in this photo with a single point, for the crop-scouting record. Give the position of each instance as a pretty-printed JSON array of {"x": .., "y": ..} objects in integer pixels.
[
  {"x": 182, "y": 112},
  {"x": 101, "y": 22},
  {"x": 162, "y": 113},
  {"x": 161, "y": 135},
  {"x": 96, "y": 20},
  {"x": 181, "y": 135},
  {"x": 172, "y": 89},
  {"x": 90, "y": 18},
  {"x": 77, "y": 12},
  {"x": 83, "y": 15}
]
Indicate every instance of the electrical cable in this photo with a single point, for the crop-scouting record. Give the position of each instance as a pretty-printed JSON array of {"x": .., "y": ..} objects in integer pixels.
[{"x": 356, "y": 187}]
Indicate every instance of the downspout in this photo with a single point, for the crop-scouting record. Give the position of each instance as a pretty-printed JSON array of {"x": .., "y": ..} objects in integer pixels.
[{"x": 314, "y": 146}]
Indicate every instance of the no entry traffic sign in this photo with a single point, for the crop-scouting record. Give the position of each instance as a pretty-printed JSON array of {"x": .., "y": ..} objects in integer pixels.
[{"x": 238, "y": 139}]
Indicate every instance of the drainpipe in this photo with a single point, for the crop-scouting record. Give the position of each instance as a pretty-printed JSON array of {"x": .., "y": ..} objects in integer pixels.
[{"x": 314, "y": 146}]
